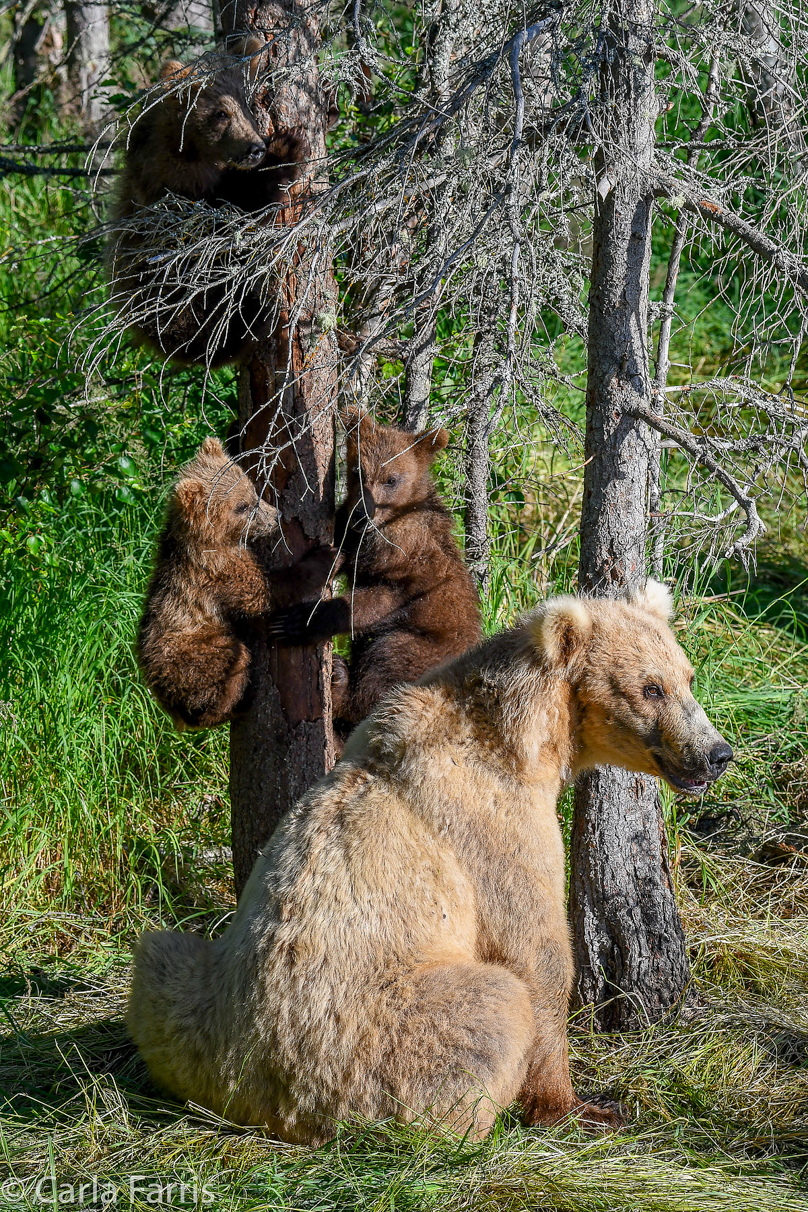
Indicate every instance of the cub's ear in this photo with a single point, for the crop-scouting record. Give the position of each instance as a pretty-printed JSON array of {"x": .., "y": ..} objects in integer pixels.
[
  {"x": 359, "y": 426},
  {"x": 172, "y": 69},
  {"x": 432, "y": 442},
  {"x": 213, "y": 448},
  {"x": 191, "y": 497},
  {"x": 350, "y": 416},
  {"x": 655, "y": 598},
  {"x": 561, "y": 630},
  {"x": 251, "y": 46}
]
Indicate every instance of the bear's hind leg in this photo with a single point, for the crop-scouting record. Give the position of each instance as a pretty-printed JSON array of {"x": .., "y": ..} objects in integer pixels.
[
  {"x": 171, "y": 1012},
  {"x": 547, "y": 1096},
  {"x": 462, "y": 1046}
]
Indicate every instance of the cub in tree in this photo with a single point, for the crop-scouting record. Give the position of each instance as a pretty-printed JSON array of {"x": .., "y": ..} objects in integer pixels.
[
  {"x": 208, "y": 580},
  {"x": 411, "y": 603},
  {"x": 402, "y": 947},
  {"x": 198, "y": 140}
]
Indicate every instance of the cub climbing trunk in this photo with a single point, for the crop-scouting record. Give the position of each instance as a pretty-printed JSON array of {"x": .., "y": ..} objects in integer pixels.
[
  {"x": 286, "y": 399},
  {"x": 629, "y": 943}
]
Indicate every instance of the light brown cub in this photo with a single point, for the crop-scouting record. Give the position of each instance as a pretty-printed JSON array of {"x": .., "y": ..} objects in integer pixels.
[
  {"x": 401, "y": 948},
  {"x": 207, "y": 582}
]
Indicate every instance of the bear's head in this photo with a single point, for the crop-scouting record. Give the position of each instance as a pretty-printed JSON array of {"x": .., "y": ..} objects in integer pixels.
[
  {"x": 214, "y": 504},
  {"x": 632, "y": 687},
  {"x": 211, "y": 115},
  {"x": 388, "y": 469}
]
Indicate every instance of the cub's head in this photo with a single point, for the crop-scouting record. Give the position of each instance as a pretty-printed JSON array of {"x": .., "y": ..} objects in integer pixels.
[
  {"x": 632, "y": 687},
  {"x": 212, "y": 115},
  {"x": 388, "y": 469},
  {"x": 215, "y": 505}
]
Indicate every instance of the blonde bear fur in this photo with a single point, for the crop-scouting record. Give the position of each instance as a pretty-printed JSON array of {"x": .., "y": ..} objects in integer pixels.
[{"x": 401, "y": 948}]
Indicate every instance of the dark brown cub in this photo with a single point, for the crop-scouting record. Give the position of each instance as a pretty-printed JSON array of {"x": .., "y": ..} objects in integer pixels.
[
  {"x": 411, "y": 603},
  {"x": 198, "y": 139}
]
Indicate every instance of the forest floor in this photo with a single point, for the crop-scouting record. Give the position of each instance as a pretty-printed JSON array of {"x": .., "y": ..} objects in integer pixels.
[{"x": 111, "y": 823}]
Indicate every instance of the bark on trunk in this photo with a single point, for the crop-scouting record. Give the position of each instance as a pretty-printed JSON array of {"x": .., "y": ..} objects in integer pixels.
[
  {"x": 629, "y": 942},
  {"x": 478, "y": 465},
  {"x": 87, "y": 58},
  {"x": 285, "y": 741}
]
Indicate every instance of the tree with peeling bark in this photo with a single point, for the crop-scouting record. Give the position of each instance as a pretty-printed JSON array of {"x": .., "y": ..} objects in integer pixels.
[
  {"x": 287, "y": 395},
  {"x": 88, "y": 55},
  {"x": 513, "y": 174}
]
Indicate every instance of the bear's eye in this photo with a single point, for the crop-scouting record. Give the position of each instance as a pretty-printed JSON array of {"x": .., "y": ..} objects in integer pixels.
[
  {"x": 391, "y": 481},
  {"x": 221, "y": 115},
  {"x": 653, "y": 691},
  {"x": 245, "y": 507}
]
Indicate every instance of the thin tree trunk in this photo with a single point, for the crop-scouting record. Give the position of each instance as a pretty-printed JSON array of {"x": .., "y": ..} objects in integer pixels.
[
  {"x": 477, "y": 454},
  {"x": 287, "y": 393},
  {"x": 477, "y": 467},
  {"x": 420, "y": 360},
  {"x": 663, "y": 360},
  {"x": 629, "y": 942},
  {"x": 87, "y": 58},
  {"x": 37, "y": 52}
]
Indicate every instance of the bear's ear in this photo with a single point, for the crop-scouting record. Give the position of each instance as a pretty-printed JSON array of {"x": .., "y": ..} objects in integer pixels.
[
  {"x": 364, "y": 425},
  {"x": 561, "y": 630},
  {"x": 251, "y": 46},
  {"x": 191, "y": 496},
  {"x": 431, "y": 442},
  {"x": 213, "y": 448},
  {"x": 655, "y": 598},
  {"x": 350, "y": 416},
  {"x": 172, "y": 69}
]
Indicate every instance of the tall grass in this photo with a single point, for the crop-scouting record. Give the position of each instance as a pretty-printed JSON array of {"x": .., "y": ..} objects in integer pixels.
[{"x": 90, "y": 772}]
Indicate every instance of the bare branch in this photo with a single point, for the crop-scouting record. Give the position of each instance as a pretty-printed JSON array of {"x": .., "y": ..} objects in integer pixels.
[
  {"x": 698, "y": 449},
  {"x": 685, "y": 196}
]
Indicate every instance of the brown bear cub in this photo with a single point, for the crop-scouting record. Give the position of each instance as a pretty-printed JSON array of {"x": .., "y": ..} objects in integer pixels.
[
  {"x": 401, "y": 947},
  {"x": 198, "y": 140},
  {"x": 208, "y": 580},
  {"x": 411, "y": 603}
]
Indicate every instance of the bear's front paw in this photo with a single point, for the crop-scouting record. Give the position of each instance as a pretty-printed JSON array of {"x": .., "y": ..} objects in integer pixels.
[
  {"x": 295, "y": 624},
  {"x": 290, "y": 146},
  {"x": 318, "y": 567}
]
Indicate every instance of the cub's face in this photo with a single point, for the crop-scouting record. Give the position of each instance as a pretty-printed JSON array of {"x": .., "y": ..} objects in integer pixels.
[
  {"x": 388, "y": 470},
  {"x": 224, "y": 127},
  {"x": 238, "y": 515},
  {"x": 214, "y": 119},
  {"x": 217, "y": 503},
  {"x": 633, "y": 693}
]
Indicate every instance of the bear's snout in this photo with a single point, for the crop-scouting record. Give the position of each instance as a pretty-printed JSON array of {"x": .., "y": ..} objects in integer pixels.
[
  {"x": 696, "y": 765},
  {"x": 254, "y": 155},
  {"x": 720, "y": 757}
]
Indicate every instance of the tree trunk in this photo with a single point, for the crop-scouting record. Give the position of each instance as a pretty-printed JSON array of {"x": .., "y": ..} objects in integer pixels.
[
  {"x": 285, "y": 742},
  {"x": 629, "y": 942},
  {"x": 477, "y": 468},
  {"x": 87, "y": 58},
  {"x": 424, "y": 346},
  {"x": 37, "y": 51}
]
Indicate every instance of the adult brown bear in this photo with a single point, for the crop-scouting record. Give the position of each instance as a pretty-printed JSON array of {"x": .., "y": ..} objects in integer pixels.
[
  {"x": 401, "y": 948},
  {"x": 196, "y": 139}
]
